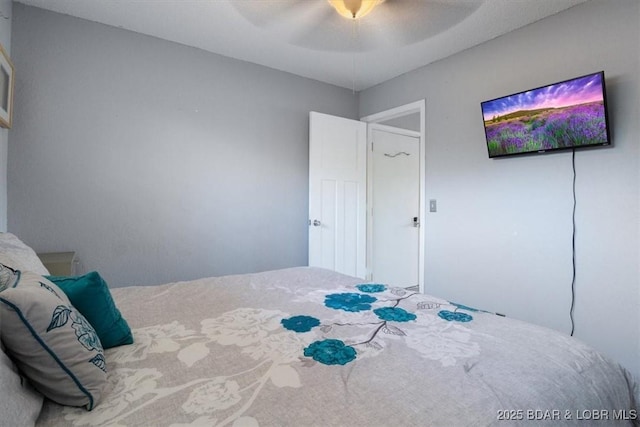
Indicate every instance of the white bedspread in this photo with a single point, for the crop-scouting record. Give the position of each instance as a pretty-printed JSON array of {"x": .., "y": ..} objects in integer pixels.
[{"x": 307, "y": 347}]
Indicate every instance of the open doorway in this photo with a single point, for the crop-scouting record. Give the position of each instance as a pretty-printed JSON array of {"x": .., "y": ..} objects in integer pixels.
[{"x": 392, "y": 228}]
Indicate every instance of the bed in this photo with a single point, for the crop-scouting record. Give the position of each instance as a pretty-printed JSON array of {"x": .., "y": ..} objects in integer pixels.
[{"x": 311, "y": 347}]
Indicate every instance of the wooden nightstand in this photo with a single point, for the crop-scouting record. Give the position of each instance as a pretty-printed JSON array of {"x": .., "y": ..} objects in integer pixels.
[{"x": 60, "y": 263}]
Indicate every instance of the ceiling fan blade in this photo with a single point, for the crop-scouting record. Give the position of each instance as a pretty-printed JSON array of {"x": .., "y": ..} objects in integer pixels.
[
  {"x": 275, "y": 13},
  {"x": 315, "y": 24},
  {"x": 328, "y": 31},
  {"x": 409, "y": 21}
]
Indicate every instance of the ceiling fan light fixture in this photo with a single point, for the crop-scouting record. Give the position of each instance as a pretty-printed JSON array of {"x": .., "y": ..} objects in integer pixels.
[{"x": 354, "y": 9}]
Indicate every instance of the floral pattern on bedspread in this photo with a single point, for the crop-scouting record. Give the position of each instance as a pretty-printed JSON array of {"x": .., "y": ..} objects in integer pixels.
[
  {"x": 256, "y": 331},
  {"x": 280, "y": 345},
  {"x": 308, "y": 347},
  {"x": 389, "y": 320}
]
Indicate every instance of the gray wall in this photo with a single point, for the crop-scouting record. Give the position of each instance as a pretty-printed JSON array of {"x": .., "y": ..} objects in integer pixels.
[
  {"x": 501, "y": 238},
  {"x": 5, "y": 40},
  {"x": 154, "y": 161}
]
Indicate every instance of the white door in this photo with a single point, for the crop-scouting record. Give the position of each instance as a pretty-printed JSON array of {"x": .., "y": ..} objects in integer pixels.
[
  {"x": 395, "y": 208},
  {"x": 337, "y": 194}
]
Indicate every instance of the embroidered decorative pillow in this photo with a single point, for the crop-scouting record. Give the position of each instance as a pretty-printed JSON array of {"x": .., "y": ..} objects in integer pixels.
[
  {"x": 17, "y": 255},
  {"x": 51, "y": 342},
  {"x": 90, "y": 295}
]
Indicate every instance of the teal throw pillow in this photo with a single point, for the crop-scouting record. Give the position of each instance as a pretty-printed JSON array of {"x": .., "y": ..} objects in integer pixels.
[{"x": 90, "y": 295}]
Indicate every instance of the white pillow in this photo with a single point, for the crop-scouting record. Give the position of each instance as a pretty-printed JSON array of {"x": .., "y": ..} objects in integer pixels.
[
  {"x": 17, "y": 255},
  {"x": 20, "y": 404}
]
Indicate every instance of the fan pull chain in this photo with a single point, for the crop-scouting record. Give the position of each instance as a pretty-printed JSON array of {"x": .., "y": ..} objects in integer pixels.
[{"x": 354, "y": 43}]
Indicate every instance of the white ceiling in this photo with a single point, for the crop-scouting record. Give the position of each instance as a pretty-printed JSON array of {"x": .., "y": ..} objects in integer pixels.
[{"x": 308, "y": 38}]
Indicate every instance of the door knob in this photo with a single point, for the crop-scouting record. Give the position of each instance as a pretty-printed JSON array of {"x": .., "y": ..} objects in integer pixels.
[
  {"x": 416, "y": 223},
  {"x": 315, "y": 223}
]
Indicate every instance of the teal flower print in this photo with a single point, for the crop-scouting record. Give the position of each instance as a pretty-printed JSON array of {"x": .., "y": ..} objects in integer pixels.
[
  {"x": 394, "y": 314},
  {"x": 300, "y": 323},
  {"x": 86, "y": 334},
  {"x": 330, "y": 352},
  {"x": 454, "y": 316},
  {"x": 371, "y": 288},
  {"x": 349, "y": 301}
]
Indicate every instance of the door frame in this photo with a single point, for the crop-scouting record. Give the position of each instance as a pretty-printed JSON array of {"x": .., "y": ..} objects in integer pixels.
[{"x": 383, "y": 116}]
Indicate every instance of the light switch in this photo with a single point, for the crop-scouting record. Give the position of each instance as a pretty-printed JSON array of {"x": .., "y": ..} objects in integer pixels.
[{"x": 433, "y": 206}]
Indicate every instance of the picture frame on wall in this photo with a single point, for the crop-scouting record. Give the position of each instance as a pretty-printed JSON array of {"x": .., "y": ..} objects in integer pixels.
[{"x": 6, "y": 89}]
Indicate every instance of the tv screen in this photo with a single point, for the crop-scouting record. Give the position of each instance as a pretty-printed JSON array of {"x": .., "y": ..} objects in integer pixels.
[{"x": 560, "y": 116}]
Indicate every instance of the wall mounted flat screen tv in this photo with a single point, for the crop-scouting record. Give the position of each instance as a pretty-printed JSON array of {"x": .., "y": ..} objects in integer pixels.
[{"x": 560, "y": 116}]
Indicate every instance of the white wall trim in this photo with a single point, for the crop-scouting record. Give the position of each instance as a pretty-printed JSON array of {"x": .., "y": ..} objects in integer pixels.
[
  {"x": 396, "y": 130},
  {"x": 403, "y": 110}
]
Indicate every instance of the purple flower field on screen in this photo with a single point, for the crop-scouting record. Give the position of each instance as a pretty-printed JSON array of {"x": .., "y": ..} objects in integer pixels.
[{"x": 546, "y": 129}]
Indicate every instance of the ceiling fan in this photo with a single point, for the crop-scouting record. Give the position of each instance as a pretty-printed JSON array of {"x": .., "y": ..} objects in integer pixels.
[{"x": 354, "y": 25}]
